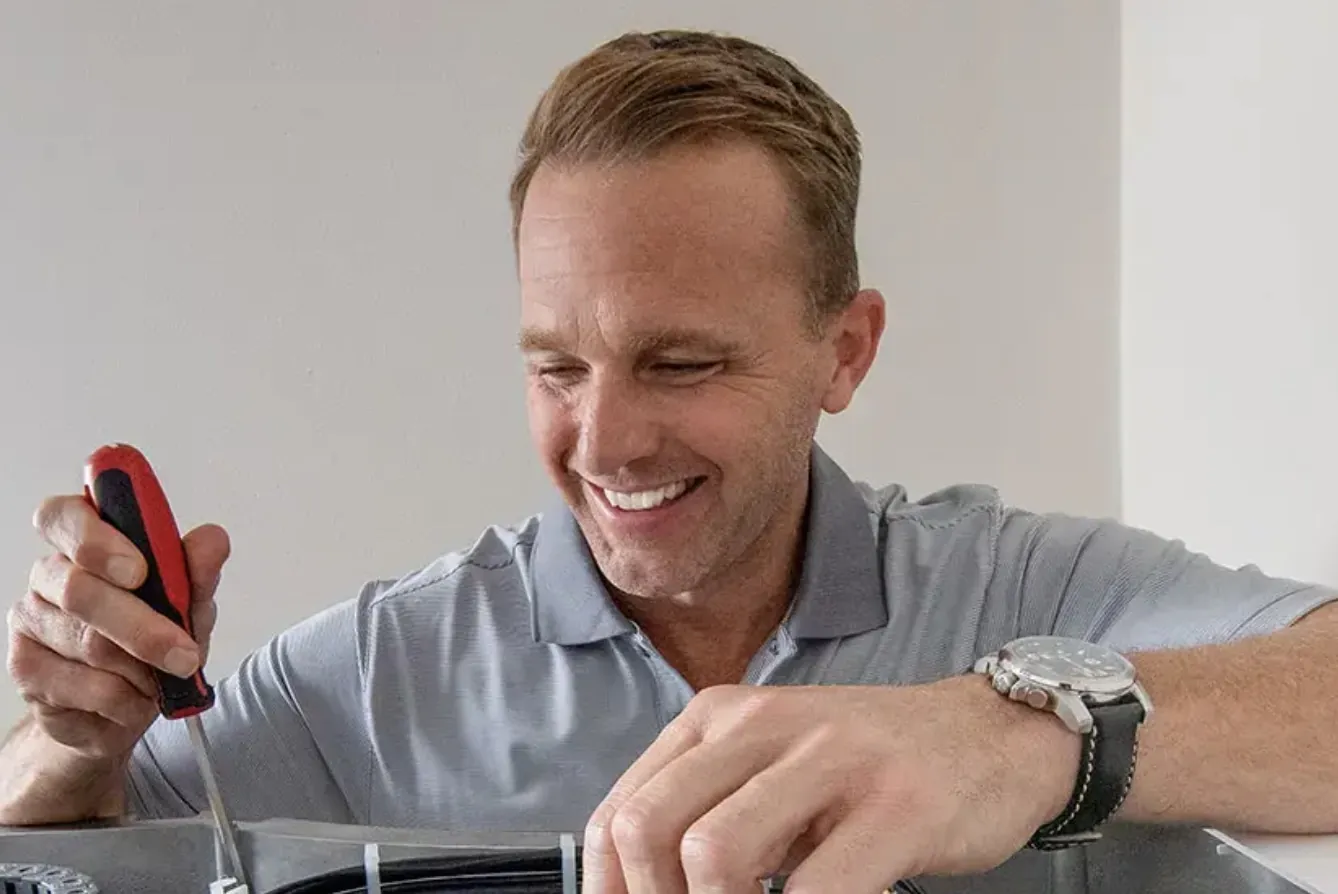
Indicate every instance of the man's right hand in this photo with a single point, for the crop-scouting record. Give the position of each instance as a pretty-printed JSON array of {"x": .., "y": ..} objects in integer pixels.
[{"x": 81, "y": 645}]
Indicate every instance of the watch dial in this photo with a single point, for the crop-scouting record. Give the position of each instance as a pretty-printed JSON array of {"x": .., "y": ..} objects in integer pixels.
[{"x": 1069, "y": 662}]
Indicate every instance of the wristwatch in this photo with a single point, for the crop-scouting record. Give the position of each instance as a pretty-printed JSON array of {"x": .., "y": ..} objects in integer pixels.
[{"x": 1095, "y": 691}]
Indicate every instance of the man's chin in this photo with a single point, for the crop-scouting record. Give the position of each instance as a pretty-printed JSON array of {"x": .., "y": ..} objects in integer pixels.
[{"x": 648, "y": 577}]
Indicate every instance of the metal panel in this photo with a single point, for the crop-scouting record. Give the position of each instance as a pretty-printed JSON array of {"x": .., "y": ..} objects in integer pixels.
[
  {"x": 123, "y": 858},
  {"x": 181, "y": 857}
]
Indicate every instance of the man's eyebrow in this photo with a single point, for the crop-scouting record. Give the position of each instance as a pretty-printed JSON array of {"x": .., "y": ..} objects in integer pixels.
[
  {"x": 667, "y": 340},
  {"x": 534, "y": 340}
]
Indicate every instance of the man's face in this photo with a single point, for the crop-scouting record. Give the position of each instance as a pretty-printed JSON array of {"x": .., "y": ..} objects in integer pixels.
[{"x": 674, "y": 385}]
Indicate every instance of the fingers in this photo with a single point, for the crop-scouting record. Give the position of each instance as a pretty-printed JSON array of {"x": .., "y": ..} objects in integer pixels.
[
  {"x": 73, "y": 527},
  {"x": 35, "y": 618},
  {"x": 859, "y": 856},
  {"x": 117, "y": 615},
  {"x": 56, "y": 682},
  {"x": 602, "y": 870},
  {"x": 204, "y": 615},
  {"x": 82, "y": 646},
  {"x": 207, "y": 550},
  {"x": 748, "y": 835},
  {"x": 648, "y": 828}
]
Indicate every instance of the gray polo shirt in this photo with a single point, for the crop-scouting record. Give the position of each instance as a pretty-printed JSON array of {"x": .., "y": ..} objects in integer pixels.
[{"x": 499, "y": 688}]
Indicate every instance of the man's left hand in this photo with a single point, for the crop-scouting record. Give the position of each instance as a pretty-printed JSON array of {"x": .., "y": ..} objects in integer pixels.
[{"x": 845, "y": 788}]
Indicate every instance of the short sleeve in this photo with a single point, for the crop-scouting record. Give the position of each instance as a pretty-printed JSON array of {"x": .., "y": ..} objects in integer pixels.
[
  {"x": 1134, "y": 590},
  {"x": 285, "y": 734}
]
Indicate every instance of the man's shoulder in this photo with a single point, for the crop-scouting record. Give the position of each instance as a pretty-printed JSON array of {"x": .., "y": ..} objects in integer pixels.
[
  {"x": 979, "y": 517},
  {"x": 943, "y": 508},
  {"x": 495, "y": 566},
  {"x": 476, "y": 593}
]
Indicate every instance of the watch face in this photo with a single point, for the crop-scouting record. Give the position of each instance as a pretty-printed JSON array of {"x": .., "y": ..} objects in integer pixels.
[{"x": 1069, "y": 663}]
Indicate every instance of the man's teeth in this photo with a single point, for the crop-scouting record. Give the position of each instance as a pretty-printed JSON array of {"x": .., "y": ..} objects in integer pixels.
[{"x": 646, "y": 499}]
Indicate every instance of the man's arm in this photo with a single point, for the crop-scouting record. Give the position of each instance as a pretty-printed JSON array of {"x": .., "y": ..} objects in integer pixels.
[
  {"x": 848, "y": 787},
  {"x": 1243, "y": 734},
  {"x": 1238, "y": 664},
  {"x": 46, "y": 782},
  {"x": 286, "y": 733}
]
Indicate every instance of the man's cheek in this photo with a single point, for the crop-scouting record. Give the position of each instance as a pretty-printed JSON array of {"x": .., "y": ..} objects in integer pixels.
[{"x": 552, "y": 431}]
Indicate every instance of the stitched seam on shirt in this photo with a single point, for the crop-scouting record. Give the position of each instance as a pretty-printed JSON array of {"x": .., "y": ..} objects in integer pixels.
[
  {"x": 369, "y": 819},
  {"x": 947, "y": 523},
  {"x": 1269, "y": 607},
  {"x": 655, "y": 694},
  {"x": 1066, "y": 588},
  {"x": 463, "y": 563},
  {"x": 997, "y": 523},
  {"x": 157, "y": 768}
]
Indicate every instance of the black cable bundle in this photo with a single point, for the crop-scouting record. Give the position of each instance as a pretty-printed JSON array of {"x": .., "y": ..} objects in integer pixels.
[{"x": 512, "y": 872}]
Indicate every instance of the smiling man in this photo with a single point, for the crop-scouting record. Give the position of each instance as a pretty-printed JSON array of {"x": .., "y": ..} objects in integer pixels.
[
  {"x": 716, "y": 653},
  {"x": 679, "y": 357}
]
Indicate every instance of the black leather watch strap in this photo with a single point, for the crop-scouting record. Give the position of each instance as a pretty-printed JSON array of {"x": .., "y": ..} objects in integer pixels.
[{"x": 1105, "y": 773}]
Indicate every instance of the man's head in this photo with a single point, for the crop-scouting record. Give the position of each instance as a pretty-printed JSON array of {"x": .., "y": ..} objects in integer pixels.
[{"x": 684, "y": 221}]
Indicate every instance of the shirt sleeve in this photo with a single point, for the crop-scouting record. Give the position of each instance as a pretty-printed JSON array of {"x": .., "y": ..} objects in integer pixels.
[
  {"x": 284, "y": 734},
  {"x": 1134, "y": 590}
]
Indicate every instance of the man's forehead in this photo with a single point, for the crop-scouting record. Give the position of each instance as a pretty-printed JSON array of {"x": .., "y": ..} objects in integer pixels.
[{"x": 685, "y": 209}]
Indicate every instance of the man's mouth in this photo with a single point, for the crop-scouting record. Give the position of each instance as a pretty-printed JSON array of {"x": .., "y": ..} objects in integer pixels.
[{"x": 641, "y": 500}]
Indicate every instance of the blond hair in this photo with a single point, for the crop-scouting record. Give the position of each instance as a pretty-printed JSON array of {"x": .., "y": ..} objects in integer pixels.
[{"x": 646, "y": 92}]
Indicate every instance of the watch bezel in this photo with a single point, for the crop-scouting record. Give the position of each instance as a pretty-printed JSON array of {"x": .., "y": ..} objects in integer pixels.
[{"x": 1111, "y": 685}]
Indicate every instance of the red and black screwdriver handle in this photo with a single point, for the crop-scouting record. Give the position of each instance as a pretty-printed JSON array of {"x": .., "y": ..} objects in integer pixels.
[{"x": 121, "y": 485}]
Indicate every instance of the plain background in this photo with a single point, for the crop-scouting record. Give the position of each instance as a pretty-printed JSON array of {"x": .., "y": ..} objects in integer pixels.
[
  {"x": 270, "y": 246},
  {"x": 1229, "y": 292}
]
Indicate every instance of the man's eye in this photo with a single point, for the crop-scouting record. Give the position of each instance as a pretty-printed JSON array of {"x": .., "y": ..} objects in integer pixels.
[
  {"x": 558, "y": 374},
  {"x": 687, "y": 369}
]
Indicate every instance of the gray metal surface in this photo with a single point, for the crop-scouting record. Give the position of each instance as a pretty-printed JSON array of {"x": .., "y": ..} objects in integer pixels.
[
  {"x": 134, "y": 858},
  {"x": 181, "y": 857},
  {"x": 1128, "y": 860}
]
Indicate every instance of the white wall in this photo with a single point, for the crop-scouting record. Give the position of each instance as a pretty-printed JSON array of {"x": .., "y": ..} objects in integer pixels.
[
  {"x": 269, "y": 245},
  {"x": 1230, "y": 278}
]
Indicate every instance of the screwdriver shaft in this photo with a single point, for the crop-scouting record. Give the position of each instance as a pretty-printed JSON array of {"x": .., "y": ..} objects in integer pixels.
[{"x": 227, "y": 837}]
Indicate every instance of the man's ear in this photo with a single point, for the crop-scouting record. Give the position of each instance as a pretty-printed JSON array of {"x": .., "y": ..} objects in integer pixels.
[{"x": 854, "y": 335}]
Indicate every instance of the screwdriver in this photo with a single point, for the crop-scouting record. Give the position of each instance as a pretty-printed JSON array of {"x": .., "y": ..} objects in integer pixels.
[{"x": 121, "y": 485}]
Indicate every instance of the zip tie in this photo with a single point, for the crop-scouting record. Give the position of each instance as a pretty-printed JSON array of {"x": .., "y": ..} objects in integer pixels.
[
  {"x": 568, "y": 845},
  {"x": 371, "y": 866}
]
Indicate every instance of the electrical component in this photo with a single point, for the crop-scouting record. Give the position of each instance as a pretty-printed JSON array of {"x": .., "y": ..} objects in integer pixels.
[
  {"x": 40, "y": 878},
  {"x": 518, "y": 872}
]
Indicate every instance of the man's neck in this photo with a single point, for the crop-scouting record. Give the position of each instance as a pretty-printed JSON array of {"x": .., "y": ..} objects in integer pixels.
[{"x": 710, "y": 635}]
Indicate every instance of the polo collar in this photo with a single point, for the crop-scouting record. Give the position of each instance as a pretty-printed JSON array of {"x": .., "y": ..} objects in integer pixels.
[{"x": 840, "y": 590}]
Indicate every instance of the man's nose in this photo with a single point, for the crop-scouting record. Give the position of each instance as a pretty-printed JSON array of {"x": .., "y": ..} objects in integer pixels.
[{"x": 618, "y": 426}]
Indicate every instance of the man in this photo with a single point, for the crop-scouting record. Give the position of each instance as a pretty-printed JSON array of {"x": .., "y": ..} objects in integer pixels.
[{"x": 684, "y": 225}]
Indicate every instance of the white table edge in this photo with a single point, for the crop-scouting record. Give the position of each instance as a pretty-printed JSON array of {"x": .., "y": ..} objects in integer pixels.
[{"x": 1279, "y": 853}]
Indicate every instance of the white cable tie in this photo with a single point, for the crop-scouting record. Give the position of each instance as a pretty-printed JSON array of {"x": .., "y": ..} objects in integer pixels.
[
  {"x": 568, "y": 845},
  {"x": 371, "y": 867}
]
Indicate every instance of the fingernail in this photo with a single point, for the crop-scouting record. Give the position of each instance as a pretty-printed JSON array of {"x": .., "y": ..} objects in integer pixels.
[
  {"x": 181, "y": 662},
  {"x": 124, "y": 571}
]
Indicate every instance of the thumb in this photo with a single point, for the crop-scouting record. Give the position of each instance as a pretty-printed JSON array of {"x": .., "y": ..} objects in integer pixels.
[{"x": 207, "y": 549}]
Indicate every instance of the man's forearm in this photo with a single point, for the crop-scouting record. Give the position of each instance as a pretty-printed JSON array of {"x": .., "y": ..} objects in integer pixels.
[
  {"x": 42, "y": 781},
  {"x": 1242, "y": 734}
]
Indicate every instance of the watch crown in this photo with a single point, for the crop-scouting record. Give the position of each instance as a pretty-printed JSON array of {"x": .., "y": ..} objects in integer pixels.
[
  {"x": 1035, "y": 696},
  {"x": 1004, "y": 681}
]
